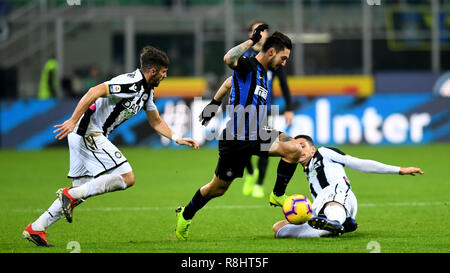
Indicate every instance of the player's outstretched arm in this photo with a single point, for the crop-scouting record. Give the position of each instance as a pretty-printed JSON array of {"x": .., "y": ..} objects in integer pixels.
[
  {"x": 410, "y": 170},
  {"x": 232, "y": 56},
  {"x": 155, "y": 120},
  {"x": 87, "y": 100},
  {"x": 210, "y": 110}
]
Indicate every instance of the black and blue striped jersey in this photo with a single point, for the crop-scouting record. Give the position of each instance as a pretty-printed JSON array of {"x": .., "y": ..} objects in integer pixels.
[{"x": 248, "y": 100}]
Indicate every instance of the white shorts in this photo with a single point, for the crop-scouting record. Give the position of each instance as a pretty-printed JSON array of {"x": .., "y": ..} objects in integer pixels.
[
  {"x": 340, "y": 193},
  {"x": 94, "y": 156}
]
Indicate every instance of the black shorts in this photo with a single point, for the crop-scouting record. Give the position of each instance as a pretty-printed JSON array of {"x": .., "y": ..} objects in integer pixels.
[{"x": 234, "y": 155}]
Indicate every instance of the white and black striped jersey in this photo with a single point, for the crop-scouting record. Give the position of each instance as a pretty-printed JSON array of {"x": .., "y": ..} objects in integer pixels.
[
  {"x": 326, "y": 168},
  {"x": 127, "y": 95}
]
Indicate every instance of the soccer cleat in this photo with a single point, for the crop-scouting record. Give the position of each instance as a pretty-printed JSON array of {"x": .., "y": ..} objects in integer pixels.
[
  {"x": 182, "y": 229},
  {"x": 37, "y": 237},
  {"x": 325, "y": 224},
  {"x": 68, "y": 202},
  {"x": 277, "y": 201},
  {"x": 258, "y": 191},
  {"x": 249, "y": 182},
  {"x": 350, "y": 225}
]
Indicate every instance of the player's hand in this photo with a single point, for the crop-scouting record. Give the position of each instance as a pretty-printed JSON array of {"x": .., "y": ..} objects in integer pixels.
[
  {"x": 64, "y": 129},
  {"x": 188, "y": 142},
  {"x": 410, "y": 170},
  {"x": 289, "y": 117},
  {"x": 256, "y": 35},
  {"x": 209, "y": 112}
]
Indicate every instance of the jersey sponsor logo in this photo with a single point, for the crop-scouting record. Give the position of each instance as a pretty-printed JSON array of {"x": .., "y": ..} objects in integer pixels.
[
  {"x": 261, "y": 91},
  {"x": 131, "y": 109}
]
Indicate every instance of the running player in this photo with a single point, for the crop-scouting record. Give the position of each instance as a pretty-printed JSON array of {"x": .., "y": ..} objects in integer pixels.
[
  {"x": 96, "y": 165},
  {"x": 253, "y": 181},
  {"x": 335, "y": 205},
  {"x": 244, "y": 134}
]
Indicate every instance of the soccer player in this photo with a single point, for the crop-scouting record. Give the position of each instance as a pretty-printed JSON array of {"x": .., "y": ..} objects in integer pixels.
[
  {"x": 253, "y": 181},
  {"x": 335, "y": 205},
  {"x": 244, "y": 134},
  {"x": 96, "y": 165}
]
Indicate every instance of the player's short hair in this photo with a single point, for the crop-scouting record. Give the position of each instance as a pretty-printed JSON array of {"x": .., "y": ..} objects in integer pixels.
[
  {"x": 152, "y": 57},
  {"x": 308, "y": 138},
  {"x": 253, "y": 23},
  {"x": 277, "y": 40}
]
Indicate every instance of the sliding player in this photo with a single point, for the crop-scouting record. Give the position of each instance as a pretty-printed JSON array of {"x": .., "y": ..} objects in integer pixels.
[{"x": 335, "y": 205}]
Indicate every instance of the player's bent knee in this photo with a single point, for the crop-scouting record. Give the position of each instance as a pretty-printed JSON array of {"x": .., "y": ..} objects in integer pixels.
[
  {"x": 215, "y": 188},
  {"x": 129, "y": 179},
  {"x": 292, "y": 156},
  {"x": 334, "y": 203},
  {"x": 277, "y": 226}
]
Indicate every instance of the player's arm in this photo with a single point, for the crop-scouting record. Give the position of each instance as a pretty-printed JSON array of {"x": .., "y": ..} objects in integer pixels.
[
  {"x": 233, "y": 55},
  {"x": 160, "y": 126},
  {"x": 87, "y": 100},
  {"x": 210, "y": 110},
  {"x": 372, "y": 166},
  {"x": 282, "y": 76},
  {"x": 366, "y": 165},
  {"x": 224, "y": 89}
]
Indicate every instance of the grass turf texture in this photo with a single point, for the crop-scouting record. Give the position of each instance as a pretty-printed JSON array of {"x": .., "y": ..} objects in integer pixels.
[{"x": 398, "y": 213}]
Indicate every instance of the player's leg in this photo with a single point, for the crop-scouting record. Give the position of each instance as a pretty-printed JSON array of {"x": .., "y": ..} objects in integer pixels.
[
  {"x": 101, "y": 159},
  {"x": 215, "y": 188},
  {"x": 289, "y": 151},
  {"x": 35, "y": 232},
  {"x": 283, "y": 229},
  {"x": 258, "y": 189},
  {"x": 335, "y": 209},
  {"x": 250, "y": 179},
  {"x": 232, "y": 159}
]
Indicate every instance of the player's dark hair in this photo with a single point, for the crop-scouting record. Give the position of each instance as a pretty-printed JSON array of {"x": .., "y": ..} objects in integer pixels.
[
  {"x": 152, "y": 57},
  {"x": 253, "y": 23},
  {"x": 277, "y": 40},
  {"x": 308, "y": 138}
]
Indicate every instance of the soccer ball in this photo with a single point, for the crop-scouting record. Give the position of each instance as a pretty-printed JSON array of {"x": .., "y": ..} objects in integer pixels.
[{"x": 297, "y": 209}]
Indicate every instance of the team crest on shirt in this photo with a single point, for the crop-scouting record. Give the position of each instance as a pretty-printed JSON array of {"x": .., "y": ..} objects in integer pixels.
[{"x": 312, "y": 174}]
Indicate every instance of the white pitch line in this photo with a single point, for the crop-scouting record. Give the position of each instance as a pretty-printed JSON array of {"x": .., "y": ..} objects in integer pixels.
[{"x": 106, "y": 209}]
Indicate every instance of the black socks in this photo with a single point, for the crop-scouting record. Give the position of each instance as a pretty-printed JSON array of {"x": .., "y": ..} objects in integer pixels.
[
  {"x": 197, "y": 202},
  {"x": 285, "y": 171},
  {"x": 262, "y": 167}
]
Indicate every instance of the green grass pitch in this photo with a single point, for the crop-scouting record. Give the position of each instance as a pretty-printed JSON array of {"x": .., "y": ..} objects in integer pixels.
[{"x": 395, "y": 213}]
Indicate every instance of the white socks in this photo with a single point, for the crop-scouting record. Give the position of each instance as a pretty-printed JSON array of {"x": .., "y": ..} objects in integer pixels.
[
  {"x": 102, "y": 184},
  {"x": 49, "y": 217},
  {"x": 335, "y": 213},
  {"x": 86, "y": 187}
]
